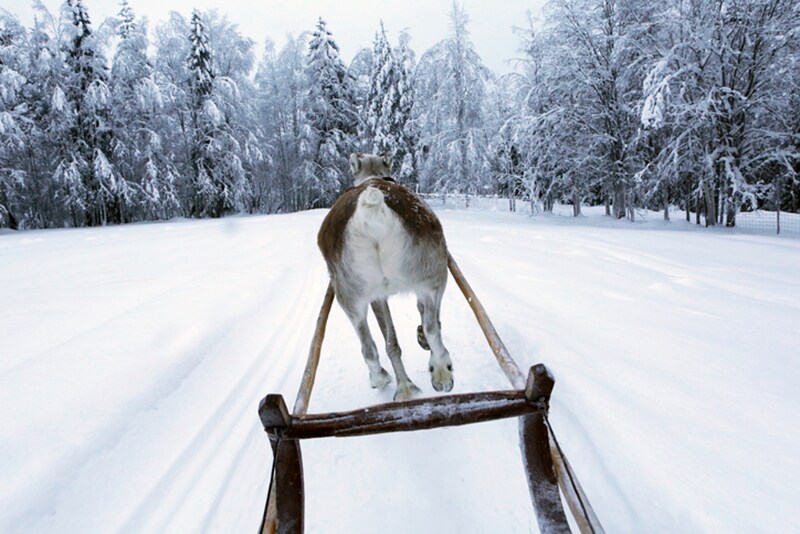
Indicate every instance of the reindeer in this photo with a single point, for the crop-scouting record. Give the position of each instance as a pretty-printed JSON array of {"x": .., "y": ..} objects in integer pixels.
[{"x": 379, "y": 239}]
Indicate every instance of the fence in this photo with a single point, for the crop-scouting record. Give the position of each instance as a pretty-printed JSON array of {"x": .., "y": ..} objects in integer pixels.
[
  {"x": 773, "y": 222},
  {"x": 761, "y": 221}
]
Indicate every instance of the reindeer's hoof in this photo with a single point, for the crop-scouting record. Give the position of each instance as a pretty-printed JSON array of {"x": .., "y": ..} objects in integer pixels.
[
  {"x": 380, "y": 380},
  {"x": 421, "y": 339},
  {"x": 407, "y": 391},
  {"x": 442, "y": 378}
]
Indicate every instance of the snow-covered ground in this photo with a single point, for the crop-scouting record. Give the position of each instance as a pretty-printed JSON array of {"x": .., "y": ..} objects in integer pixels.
[{"x": 133, "y": 359}]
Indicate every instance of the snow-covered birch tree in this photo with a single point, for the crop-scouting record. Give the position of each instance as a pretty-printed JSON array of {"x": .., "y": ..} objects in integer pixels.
[{"x": 450, "y": 90}]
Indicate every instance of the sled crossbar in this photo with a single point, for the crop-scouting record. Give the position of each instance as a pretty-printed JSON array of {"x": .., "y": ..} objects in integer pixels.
[
  {"x": 419, "y": 414},
  {"x": 546, "y": 467}
]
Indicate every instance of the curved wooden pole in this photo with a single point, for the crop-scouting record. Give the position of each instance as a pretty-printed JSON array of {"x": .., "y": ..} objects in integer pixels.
[
  {"x": 570, "y": 486},
  {"x": 290, "y": 450},
  {"x": 507, "y": 363},
  {"x": 310, "y": 372}
]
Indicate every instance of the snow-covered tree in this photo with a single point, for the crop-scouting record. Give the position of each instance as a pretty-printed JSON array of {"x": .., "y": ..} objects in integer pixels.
[
  {"x": 281, "y": 85},
  {"x": 13, "y": 140},
  {"x": 404, "y": 149},
  {"x": 219, "y": 182},
  {"x": 92, "y": 186},
  {"x": 379, "y": 111},
  {"x": 207, "y": 192},
  {"x": 331, "y": 123},
  {"x": 713, "y": 86},
  {"x": 143, "y": 172},
  {"x": 450, "y": 90},
  {"x": 387, "y": 111}
]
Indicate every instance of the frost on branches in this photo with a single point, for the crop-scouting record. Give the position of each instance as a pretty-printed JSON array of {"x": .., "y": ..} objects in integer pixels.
[{"x": 626, "y": 104}]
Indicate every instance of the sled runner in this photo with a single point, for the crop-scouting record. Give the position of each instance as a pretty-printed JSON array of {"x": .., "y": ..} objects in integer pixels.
[{"x": 546, "y": 467}]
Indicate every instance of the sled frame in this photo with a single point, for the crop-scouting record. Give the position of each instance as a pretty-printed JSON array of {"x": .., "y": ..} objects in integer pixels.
[{"x": 546, "y": 467}]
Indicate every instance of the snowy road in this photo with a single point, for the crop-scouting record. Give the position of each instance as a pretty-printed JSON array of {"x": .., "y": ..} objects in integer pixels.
[{"x": 132, "y": 360}]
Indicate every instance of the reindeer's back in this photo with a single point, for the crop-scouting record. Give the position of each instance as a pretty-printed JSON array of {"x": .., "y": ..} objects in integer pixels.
[{"x": 418, "y": 220}]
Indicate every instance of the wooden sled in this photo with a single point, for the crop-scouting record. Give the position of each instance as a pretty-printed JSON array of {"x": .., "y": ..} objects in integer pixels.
[{"x": 546, "y": 466}]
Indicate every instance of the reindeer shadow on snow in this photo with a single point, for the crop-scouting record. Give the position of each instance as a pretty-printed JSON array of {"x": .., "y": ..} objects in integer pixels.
[{"x": 380, "y": 239}]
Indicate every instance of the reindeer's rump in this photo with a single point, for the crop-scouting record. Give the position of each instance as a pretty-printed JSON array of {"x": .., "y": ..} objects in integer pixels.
[{"x": 417, "y": 218}]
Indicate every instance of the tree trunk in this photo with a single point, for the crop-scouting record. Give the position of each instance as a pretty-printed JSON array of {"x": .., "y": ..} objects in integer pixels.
[
  {"x": 688, "y": 203},
  {"x": 778, "y": 205},
  {"x": 731, "y": 208},
  {"x": 711, "y": 208},
  {"x": 619, "y": 200},
  {"x": 576, "y": 204}
]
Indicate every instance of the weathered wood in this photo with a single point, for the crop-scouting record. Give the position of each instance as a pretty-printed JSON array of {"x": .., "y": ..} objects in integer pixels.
[
  {"x": 289, "y": 487},
  {"x": 418, "y": 414},
  {"x": 284, "y": 513},
  {"x": 534, "y": 441},
  {"x": 507, "y": 363},
  {"x": 585, "y": 518},
  {"x": 542, "y": 481},
  {"x": 587, "y": 521},
  {"x": 540, "y": 384},
  {"x": 273, "y": 412},
  {"x": 303, "y": 393},
  {"x": 546, "y": 467},
  {"x": 310, "y": 372}
]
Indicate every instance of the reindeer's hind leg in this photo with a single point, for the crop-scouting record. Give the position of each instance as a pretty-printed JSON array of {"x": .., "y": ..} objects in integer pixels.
[
  {"x": 357, "y": 313},
  {"x": 405, "y": 387},
  {"x": 440, "y": 365},
  {"x": 421, "y": 339}
]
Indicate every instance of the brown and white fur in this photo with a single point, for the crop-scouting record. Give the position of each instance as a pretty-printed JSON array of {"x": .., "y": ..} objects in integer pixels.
[{"x": 380, "y": 239}]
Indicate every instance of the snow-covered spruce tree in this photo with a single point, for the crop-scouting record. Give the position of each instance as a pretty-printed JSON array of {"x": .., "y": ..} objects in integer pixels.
[
  {"x": 404, "y": 150},
  {"x": 219, "y": 181},
  {"x": 387, "y": 112},
  {"x": 330, "y": 119},
  {"x": 207, "y": 194},
  {"x": 143, "y": 171},
  {"x": 379, "y": 131},
  {"x": 96, "y": 200},
  {"x": 13, "y": 140},
  {"x": 450, "y": 88}
]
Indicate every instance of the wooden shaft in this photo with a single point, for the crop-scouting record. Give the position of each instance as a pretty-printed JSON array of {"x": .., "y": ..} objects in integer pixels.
[
  {"x": 270, "y": 524},
  {"x": 588, "y": 522},
  {"x": 418, "y": 414},
  {"x": 542, "y": 481},
  {"x": 284, "y": 514},
  {"x": 507, "y": 363},
  {"x": 310, "y": 372}
]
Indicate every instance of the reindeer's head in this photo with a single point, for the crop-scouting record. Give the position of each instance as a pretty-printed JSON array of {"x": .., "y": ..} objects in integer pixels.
[{"x": 365, "y": 166}]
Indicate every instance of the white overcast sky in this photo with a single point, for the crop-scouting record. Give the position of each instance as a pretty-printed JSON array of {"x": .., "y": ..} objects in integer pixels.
[{"x": 353, "y": 22}]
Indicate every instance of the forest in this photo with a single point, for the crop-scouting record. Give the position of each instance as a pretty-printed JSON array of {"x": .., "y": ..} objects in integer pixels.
[{"x": 625, "y": 103}]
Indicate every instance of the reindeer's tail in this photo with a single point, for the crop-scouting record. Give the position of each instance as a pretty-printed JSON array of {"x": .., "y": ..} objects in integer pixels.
[{"x": 371, "y": 198}]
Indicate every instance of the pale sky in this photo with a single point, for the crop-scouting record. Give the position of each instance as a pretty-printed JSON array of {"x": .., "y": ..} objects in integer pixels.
[{"x": 352, "y": 22}]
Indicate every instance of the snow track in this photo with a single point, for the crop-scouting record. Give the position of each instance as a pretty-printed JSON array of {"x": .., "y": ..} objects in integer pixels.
[{"x": 133, "y": 359}]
